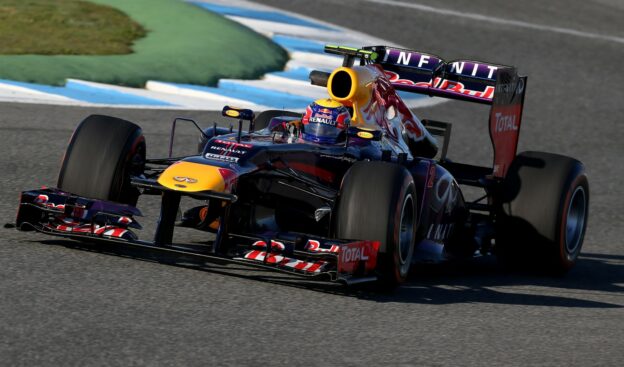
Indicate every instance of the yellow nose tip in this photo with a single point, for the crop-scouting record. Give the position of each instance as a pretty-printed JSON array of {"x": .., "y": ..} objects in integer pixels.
[{"x": 192, "y": 177}]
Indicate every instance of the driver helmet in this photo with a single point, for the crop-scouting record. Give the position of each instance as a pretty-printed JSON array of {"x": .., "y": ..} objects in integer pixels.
[{"x": 325, "y": 121}]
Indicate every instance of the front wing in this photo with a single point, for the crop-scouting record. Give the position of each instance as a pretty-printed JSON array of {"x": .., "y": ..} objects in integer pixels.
[{"x": 58, "y": 213}]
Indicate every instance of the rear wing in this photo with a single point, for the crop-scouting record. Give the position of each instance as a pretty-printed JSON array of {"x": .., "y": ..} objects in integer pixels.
[{"x": 496, "y": 85}]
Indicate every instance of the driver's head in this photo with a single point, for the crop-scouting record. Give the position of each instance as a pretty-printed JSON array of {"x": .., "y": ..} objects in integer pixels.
[{"x": 325, "y": 121}]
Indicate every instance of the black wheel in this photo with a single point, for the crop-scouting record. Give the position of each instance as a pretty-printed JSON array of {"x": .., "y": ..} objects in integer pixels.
[
  {"x": 544, "y": 213},
  {"x": 264, "y": 118},
  {"x": 378, "y": 202},
  {"x": 101, "y": 156}
]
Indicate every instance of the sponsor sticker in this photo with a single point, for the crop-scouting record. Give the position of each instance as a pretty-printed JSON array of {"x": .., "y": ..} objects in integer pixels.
[
  {"x": 219, "y": 157},
  {"x": 323, "y": 120},
  {"x": 316, "y": 246},
  {"x": 275, "y": 245},
  {"x": 234, "y": 144},
  {"x": 286, "y": 262},
  {"x": 353, "y": 254},
  {"x": 232, "y": 113},
  {"x": 188, "y": 180},
  {"x": 439, "y": 231},
  {"x": 227, "y": 151}
]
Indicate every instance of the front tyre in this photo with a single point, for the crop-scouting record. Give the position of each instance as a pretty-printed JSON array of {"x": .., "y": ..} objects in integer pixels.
[
  {"x": 102, "y": 155},
  {"x": 378, "y": 202},
  {"x": 544, "y": 212}
]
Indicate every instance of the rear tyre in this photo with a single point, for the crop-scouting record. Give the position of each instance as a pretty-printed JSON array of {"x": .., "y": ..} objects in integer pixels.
[
  {"x": 264, "y": 118},
  {"x": 378, "y": 202},
  {"x": 544, "y": 212},
  {"x": 102, "y": 155}
]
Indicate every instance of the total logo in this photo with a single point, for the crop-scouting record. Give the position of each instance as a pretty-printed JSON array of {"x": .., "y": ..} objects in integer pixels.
[
  {"x": 505, "y": 122},
  {"x": 353, "y": 254}
]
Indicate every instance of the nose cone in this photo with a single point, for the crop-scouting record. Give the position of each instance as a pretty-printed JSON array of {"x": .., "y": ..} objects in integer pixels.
[{"x": 192, "y": 177}]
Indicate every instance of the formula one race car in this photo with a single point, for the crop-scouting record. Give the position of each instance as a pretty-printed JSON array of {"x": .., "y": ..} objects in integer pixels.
[{"x": 366, "y": 205}]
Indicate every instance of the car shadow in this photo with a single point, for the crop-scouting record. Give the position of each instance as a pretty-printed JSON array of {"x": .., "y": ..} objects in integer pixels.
[
  {"x": 484, "y": 281},
  {"x": 477, "y": 281}
]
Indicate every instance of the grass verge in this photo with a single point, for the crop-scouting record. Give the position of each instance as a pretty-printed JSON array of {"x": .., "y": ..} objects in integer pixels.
[
  {"x": 184, "y": 44},
  {"x": 65, "y": 27}
]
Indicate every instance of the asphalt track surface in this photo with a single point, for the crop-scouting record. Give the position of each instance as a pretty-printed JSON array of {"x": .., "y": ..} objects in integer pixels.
[{"x": 65, "y": 306}]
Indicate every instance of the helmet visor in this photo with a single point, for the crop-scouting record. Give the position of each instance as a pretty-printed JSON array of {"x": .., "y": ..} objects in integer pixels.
[{"x": 322, "y": 133}]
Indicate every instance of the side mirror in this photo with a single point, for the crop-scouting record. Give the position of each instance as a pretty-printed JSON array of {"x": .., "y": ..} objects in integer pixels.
[
  {"x": 238, "y": 113},
  {"x": 364, "y": 133}
]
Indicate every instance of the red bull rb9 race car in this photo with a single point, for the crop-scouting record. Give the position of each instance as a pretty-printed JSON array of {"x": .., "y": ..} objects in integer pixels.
[{"x": 356, "y": 189}]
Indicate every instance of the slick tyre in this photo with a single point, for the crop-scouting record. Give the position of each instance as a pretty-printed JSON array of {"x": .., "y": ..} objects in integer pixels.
[
  {"x": 544, "y": 212},
  {"x": 102, "y": 155},
  {"x": 378, "y": 202},
  {"x": 264, "y": 117}
]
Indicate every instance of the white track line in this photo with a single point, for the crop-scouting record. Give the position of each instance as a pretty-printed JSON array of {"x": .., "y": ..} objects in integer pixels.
[
  {"x": 344, "y": 34},
  {"x": 308, "y": 60},
  {"x": 12, "y": 93},
  {"x": 177, "y": 101},
  {"x": 501, "y": 21},
  {"x": 213, "y": 101},
  {"x": 304, "y": 89}
]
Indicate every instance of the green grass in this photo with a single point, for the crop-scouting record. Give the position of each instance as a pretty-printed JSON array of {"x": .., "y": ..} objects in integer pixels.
[
  {"x": 65, "y": 27},
  {"x": 184, "y": 44}
]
